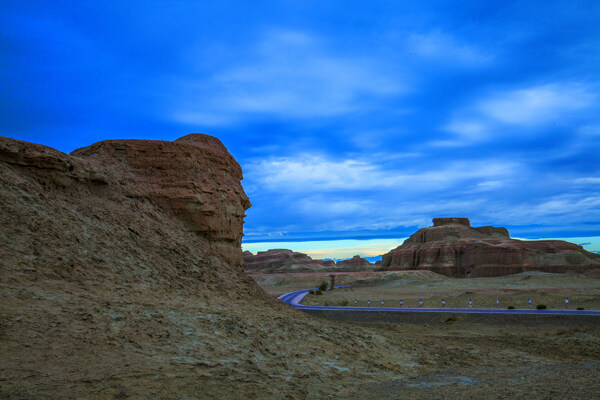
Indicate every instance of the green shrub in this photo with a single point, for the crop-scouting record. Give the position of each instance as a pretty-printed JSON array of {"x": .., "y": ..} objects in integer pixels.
[
  {"x": 343, "y": 302},
  {"x": 326, "y": 304},
  {"x": 311, "y": 292},
  {"x": 323, "y": 286},
  {"x": 318, "y": 292},
  {"x": 511, "y": 307},
  {"x": 541, "y": 307},
  {"x": 580, "y": 308}
]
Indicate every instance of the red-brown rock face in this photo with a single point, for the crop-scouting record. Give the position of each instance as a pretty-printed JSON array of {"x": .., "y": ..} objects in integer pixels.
[
  {"x": 276, "y": 261},
  {"x": 282, "y": 261},
  {"x": 453, "y": 248},
  {"x": 193, "y": 178},
  {"x": 355, "y": 264}
]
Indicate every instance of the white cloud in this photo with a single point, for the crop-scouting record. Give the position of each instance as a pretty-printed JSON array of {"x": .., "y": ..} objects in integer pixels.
[
  {"x": 465, "y": 132},
  {"x": 467, "y": 129},
  {"x": 440, "y": 46},
  {"x": 293, "y": 75},
  {"x": 531, "y": 107},
  {"x": 334, "y": 207},
  {"x": 589, "y": 130},
  {"x": 536, "y": 105},
  {"x": 490, "y": 185},
  {"x": 557, "y": 210},
  {"x": 315, "y": 173},
  {"x": 587, "y": 181}
]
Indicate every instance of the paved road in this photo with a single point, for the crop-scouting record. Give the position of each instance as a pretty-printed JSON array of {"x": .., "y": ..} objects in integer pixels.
[{"x": 294, "y": 298}]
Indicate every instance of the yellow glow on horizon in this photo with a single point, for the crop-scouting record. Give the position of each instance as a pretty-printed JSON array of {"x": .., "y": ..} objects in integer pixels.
[
  {"x": 339, "y": 249},
  {"x": 347, "y": 248}
]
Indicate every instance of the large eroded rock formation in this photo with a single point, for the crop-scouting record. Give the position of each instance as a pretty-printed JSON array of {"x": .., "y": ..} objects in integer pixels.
[
  {"x": 454, "y": 248},
  {"x": 193, "y": 178},
  {"x": 120, "y": 276}
]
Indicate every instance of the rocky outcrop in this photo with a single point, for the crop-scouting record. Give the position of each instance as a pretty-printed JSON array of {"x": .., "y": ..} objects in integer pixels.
[
  {"x": 282, "y": 261},
  {"x": 120, "y": 276},
  {"x": 355, "y": 264},
  {"x": 328, "y": 264},
  {"x": 453, "y": 248},
  {"x": 194, "y": 178}
]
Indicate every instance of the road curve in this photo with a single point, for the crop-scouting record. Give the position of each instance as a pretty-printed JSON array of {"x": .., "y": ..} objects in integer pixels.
[{"x": 294, "y": 298}]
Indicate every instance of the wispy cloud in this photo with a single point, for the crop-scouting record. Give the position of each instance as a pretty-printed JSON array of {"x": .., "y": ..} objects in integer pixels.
[
  {"x": 440, "y": 46},
  {"x": 318, "y": 173},
  {"x": 538, "y": 105},
  {"x": 587, "y": 181},
  {"x": 291, "y": 75},
  {"x": 335, "y": 207},
  {"x": 524, "y": 109},
  {"x": 555, "y": 210}
]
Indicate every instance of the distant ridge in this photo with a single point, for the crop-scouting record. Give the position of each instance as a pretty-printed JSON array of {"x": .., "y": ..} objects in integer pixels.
[{"x": 453, "y": 247}]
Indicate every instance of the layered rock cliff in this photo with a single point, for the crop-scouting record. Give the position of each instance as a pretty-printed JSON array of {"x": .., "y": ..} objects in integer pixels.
[
  {"x": 120, "y": 276},
  {"x": 283, "y": 261},
  {"x": 194, "y": 179},
  {"x": 453, "y": 248}
]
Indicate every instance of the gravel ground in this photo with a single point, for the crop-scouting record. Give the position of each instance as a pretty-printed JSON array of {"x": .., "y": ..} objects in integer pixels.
[{"x": 542, "y": 381}]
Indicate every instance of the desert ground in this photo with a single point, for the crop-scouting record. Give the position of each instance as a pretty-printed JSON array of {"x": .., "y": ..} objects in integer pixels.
[
  {"x": 469, "y": 357},
  {"x": 412, "y": 286}
]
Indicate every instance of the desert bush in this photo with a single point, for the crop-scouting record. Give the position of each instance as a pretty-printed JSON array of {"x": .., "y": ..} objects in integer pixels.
[
  {"x": 323, "y": 286},
  {"x": 326, "y": 304},
  {"x": 580, "y": 308},
  {"x": 541, "y": 307},
  {"x": 511, "y": 307},
  {"x": 343, "y": 302},
  {"x": 451, "y": 320},
  {"x": 318, "y": 292},
  {"x": 311, "y": 292}
]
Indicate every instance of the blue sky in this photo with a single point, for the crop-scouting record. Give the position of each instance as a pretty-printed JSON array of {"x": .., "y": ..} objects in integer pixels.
[{"x": 350, "y": 119}]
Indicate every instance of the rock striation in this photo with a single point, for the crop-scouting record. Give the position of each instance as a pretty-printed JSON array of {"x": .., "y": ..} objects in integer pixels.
[
  {"x": 355, "y": 264},
  {"x": 453, "y": 247},
  {"x": 193, "y": 178},
  {"x": 129, "y": 250},
  {"x": 282, "y": 261}
]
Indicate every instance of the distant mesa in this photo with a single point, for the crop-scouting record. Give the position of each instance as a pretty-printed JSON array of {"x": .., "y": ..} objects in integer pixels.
[
  {"x": 287, "y": 261},
  {"x": 279, "y": 261},
  {"x": 454, "y": 248},
  {"x": 355, "y": 264}
]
